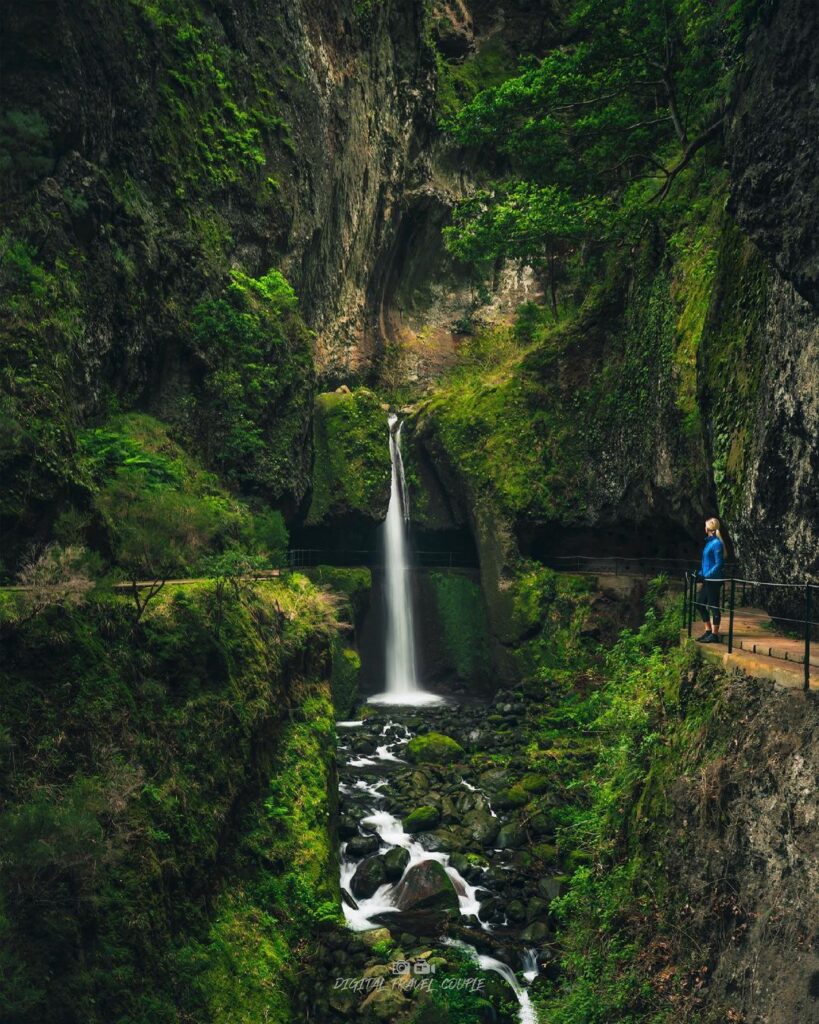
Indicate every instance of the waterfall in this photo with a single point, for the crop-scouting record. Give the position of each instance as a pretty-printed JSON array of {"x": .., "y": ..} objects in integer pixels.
[
  {"x": 401, "y": 670},
  {"x": 402, "y": 676}
]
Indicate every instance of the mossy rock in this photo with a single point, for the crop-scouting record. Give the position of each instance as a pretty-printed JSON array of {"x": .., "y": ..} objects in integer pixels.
[
  {"x": 351, "y": 468},
  {"x": 395, "y": 861},
  {"x": 435, "y": 748},
  {"x": 511, "y": 797},
  {"x": 545, "y": 852},
  {"x": 536, "y": 783},
  {"x": 375, "y": 935},
  {"x": 422, "y": 819},
  {"x": 346, "y": 665}
]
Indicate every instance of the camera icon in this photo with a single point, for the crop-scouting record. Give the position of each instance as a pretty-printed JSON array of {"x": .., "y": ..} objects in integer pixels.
[{"x": 400, "y": 967}]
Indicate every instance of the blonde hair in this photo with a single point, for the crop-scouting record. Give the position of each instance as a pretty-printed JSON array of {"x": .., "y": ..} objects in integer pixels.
[{"x": 713, "y": 524}]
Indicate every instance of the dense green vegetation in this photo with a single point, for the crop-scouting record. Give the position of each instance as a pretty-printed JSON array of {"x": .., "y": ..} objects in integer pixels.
[
  {"x": 589, "y": 139},
  {"x": 133, "y": 754},
  {"x": 461, "y": 611},
  {"x": 658, "y": 715},
  {"x": 167, "y": 846}
]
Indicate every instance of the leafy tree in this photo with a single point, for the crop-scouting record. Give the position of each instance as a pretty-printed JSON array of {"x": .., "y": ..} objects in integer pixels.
[
  {"x": 156, "y": 532},
  {"x": 636, "y": 90},
  {"x": 233, "y": 572},
  {"x": 536, "y": 225}
]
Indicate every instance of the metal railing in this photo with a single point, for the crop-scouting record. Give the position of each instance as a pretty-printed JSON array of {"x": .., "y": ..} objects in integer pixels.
[
  {"x": 751, "y": 588},
  {"x": 623, "y": 564},
  {"x": 299, "y": 558}
]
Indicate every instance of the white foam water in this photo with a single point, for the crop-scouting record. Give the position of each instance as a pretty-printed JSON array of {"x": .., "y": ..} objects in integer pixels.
[{"x": 526, "y": 1012}]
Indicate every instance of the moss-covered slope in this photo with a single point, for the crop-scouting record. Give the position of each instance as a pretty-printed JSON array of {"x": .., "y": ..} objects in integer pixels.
[
  {"x": 351, "y": 463},
  {"x": 167, "y": 792}
]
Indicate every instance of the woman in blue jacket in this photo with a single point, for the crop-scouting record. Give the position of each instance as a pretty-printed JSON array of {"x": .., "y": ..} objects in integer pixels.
[{"x": 708, "y": 600}]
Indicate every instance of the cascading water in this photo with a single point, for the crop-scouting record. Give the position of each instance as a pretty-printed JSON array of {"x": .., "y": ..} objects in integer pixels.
[{"x": 401, "y": 670}]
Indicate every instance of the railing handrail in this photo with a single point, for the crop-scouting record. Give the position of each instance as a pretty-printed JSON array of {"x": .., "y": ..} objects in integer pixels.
[
  {"x": 306, "y": 557},
  {"x": 691, "y": 578}
]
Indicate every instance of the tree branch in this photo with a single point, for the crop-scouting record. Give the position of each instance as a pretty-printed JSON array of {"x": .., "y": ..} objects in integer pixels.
[{"x": 685, "y": 159}]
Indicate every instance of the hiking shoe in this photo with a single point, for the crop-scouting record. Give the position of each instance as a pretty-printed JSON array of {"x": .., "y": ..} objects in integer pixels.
[
  {"x": 705, "y": 638},
  {"x": 711, "y": 639}
]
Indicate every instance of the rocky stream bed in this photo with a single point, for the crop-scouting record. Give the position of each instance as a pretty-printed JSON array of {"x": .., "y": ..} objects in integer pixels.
[{"x": 446, "y": 842}]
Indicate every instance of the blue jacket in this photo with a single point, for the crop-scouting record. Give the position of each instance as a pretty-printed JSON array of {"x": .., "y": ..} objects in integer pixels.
[{"x": 712, "y": 560}]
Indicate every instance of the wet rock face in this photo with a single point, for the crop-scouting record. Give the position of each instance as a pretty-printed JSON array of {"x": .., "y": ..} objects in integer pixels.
[
  {"x": 772, "y": 144},
  {"x": 775, "y": 187},
  {"x": 777, "y": 526},
  {"x": 744, "y": 858},
  {"x": 343, "y": 93}
]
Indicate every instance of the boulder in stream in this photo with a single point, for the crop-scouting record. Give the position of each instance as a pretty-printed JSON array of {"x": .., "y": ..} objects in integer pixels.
[
  {"x": 395, "y": 861},
  {"x": 426, "y": 886},
  {"x": 434, "y": 747},
  {"x": 369, "y": 875},
  {"x": 421, "y": 819},
  {"x": 360, "y": 846}
]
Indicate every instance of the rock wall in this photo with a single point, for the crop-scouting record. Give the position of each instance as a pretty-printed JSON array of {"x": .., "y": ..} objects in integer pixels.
[
  {"x": 148, "y": 150},
  {"x": 772, "y": 144},
  {"x": 774, "y": 166},
  {"x": 743, "y": 854}
]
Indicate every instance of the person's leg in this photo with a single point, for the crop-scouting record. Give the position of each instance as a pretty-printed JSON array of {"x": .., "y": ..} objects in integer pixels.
[
  {"x": 714, "y": 596},
  {"x": 702, "y": 604},
  {"x": 716, "y": 617}
]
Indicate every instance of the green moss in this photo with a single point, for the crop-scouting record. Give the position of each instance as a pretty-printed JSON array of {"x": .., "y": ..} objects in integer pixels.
[
  {"x": 421, "y": 819},
  {"x": 354, "y": 584},
  {"x": 434, "y": 747},
  {"x": 345, "y": 670},
  {"x": 131, "y": 891},
  {"x": 734, "y": 351},
  {"x": 40, "y": 334},
  {"x": 659, "y": 716},
  {"x": 248, "y": 412},
  {"x": 512, "y": 796},
  {"x": 138, "y": 473},
  {"x": 351, "y": 470},
  {"x": 464, "y": 624},
  {"x": 207, "y": 132}
]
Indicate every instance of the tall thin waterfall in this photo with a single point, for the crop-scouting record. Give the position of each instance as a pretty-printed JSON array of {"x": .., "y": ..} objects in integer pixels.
[
  {"x": 401, "y": 669},
  {"x": 402, "y": 674}
]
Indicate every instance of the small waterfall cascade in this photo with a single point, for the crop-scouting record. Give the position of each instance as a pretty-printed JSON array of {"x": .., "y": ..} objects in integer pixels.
[
  {"x": 402, "y": 686},
  {"x": 526, "y": 1012}
]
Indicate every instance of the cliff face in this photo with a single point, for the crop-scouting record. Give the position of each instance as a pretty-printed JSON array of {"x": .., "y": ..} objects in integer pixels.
[
  {"x": 254, "y": 134},
  {"x": 159, "y": 159},
  {"x": 772, "y": 147},
  {"x": 742, "y": 857},
  {"x": 774, "y": 175}
]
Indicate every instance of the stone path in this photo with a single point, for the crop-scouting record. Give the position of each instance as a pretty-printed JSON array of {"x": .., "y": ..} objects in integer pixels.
[{"x": 761, "y": 650}]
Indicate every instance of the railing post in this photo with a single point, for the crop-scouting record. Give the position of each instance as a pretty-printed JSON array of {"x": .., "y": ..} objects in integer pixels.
[
  {"x": 691, "y": 603},
  {"x": 731, "y": 616},
  {"x": 807, "y": 635},
  {"x": 685, "y": 600}
]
